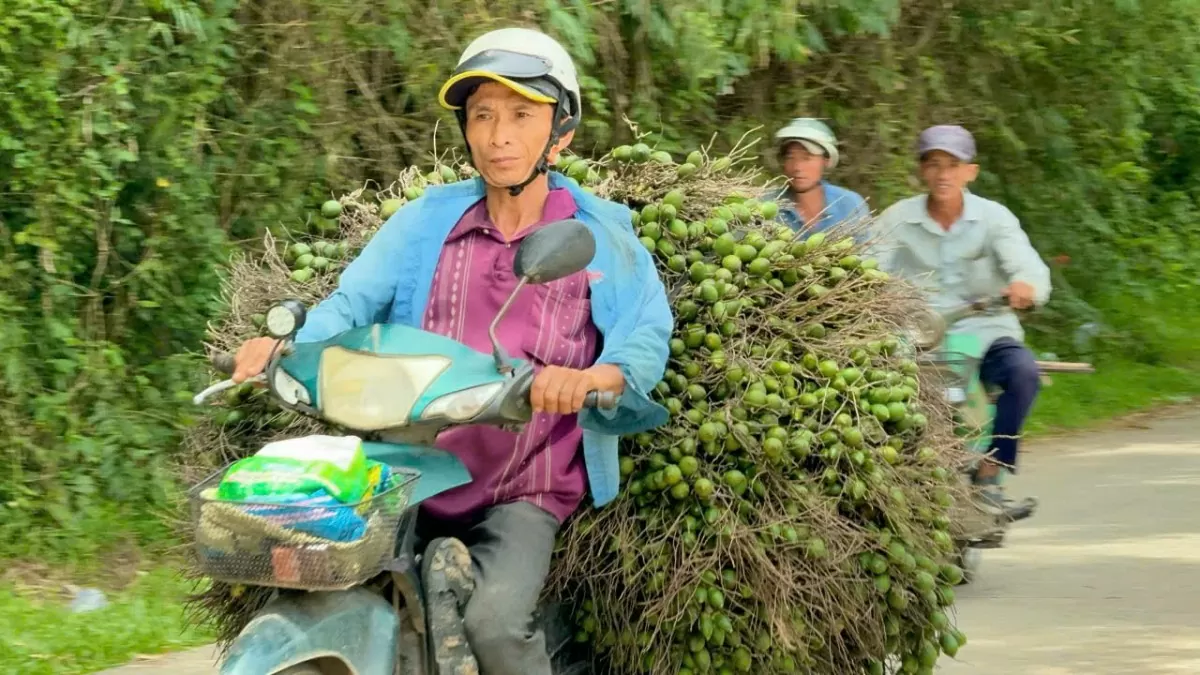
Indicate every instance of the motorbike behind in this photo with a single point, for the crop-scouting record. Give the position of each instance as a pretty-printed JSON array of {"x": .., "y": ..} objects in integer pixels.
[{"x": 956, "y": 356}]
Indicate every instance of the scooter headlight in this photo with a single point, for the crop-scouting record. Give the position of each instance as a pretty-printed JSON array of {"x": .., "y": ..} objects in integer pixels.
[
  {"x": 462, "y": 405},
  {"x": 373, "y": 392}
]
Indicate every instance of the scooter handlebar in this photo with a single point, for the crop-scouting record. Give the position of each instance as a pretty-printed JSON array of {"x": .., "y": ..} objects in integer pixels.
[
  {"x": 604, "y": 400},
  {"x": 979, "y": 306},
  {"x": 223, "y": 363}
]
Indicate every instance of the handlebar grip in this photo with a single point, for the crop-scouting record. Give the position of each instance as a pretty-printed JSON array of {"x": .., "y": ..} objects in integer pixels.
[
  {"x": 223, "y": 363},
  {"x": 605, "y": 400}
]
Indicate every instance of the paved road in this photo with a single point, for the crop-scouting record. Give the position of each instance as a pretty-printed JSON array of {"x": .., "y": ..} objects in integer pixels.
[{"x": 1105, "y": 580}]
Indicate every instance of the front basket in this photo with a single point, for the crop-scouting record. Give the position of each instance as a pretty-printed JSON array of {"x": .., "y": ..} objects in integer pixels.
[{"x": 310, "y": 546}]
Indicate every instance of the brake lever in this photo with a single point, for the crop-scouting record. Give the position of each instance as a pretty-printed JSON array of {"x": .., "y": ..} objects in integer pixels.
[{"x": 223, "y": 385}]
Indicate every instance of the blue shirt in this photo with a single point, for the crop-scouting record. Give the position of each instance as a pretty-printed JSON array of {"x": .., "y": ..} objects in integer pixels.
[
  {"x": 392, "y": 277},
  {"x": 841, "y": 205}
]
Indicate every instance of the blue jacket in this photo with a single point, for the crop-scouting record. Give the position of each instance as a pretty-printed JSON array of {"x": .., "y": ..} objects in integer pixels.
[
  {"x": 390, "y": 282},
  {"x": 840, "y": 205}
]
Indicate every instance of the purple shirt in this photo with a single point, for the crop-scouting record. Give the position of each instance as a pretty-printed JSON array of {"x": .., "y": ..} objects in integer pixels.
[{"x": 546, "y": 324}]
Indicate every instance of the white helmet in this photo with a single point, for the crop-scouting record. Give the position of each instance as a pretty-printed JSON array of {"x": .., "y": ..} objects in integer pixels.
[
  {"x": 813, "y": 134},
  {"x": 530, "y": 63}
]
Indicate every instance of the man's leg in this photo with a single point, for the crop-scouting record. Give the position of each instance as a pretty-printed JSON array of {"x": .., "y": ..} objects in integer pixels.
[
  {"x": 511, "y": 549},
  {"x": 1009, "y": 365}
]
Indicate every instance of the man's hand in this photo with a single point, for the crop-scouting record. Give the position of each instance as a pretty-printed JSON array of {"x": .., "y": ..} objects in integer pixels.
[
  {"x": 1019, "y": 294},
  {"x": 561, "y": 391},
  {"x": 251, "y": 358}
]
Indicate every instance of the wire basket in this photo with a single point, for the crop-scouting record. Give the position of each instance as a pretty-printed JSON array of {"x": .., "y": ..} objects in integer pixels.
[{"x": 308, "y": 545}]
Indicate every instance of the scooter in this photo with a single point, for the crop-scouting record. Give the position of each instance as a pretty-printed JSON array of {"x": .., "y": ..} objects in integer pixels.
[
  {"x": 956, "y": 356},
  {"x": 343, "y": 610}
]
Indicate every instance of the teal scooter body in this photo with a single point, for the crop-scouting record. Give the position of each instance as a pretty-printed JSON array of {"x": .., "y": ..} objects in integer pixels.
[
  {"x": 358, "y": 629},
  {"x": 354, "y": 630},
  {"x": 457, "y": 366}
]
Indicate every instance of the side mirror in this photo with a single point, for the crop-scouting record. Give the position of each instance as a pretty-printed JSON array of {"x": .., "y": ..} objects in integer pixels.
[
  {"x": 927, "y": 329},
  {"x": 285, "y": 319},
  {"x": 555, "y": 251}
]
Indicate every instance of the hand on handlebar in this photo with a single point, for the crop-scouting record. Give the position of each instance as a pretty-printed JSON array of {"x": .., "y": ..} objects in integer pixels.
[
  {"x": 562, "y": 391},
  {"x": 1020, "y": 295},
  {"x": 252, "y": 357}
]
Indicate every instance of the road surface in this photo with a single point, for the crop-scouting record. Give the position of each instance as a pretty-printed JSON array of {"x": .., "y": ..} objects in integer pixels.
[{"x": 1104, "y": 580}]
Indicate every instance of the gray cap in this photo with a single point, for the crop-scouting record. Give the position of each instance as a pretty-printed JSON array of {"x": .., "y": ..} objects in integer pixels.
[{"x": 948, "y": 138}]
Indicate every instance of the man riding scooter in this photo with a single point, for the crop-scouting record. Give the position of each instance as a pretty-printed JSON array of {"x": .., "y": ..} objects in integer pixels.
[
  {"x": 517, "y": 100},
  {"x": 807, "y": 149},
  {"x": 958, "y": 246}
]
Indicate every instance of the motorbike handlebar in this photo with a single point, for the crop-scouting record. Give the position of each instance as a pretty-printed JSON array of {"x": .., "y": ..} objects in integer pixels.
[
  {"x": 223, "y": 363},
  {"x": 1065, "y": 367},
  {"x": 604, "y": 400},
  {"x": 979, "y": 306}
]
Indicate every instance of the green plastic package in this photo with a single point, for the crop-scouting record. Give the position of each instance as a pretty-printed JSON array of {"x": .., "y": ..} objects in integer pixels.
[{"x": 300, "y": 466}]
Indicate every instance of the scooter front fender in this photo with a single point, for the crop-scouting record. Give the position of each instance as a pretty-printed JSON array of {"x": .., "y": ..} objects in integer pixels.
[
  {"x": 977, "y": 410},
  {"x": 439, "y": 470},
  {"x": 356, "y": 628}
]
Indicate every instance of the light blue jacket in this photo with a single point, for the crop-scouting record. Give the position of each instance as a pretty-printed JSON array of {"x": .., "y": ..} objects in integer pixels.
[
  {"x": 979, "y": 256},
  {"x": 390, "y": 282}
]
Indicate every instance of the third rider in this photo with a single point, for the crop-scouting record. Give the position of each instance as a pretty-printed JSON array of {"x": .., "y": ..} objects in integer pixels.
[{"x": 961, "y": 247}]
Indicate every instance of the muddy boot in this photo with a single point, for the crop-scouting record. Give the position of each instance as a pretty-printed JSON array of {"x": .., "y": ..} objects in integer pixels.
[
  {"x": 449, "y": 581},
  {"x": 994, "y": 500}
]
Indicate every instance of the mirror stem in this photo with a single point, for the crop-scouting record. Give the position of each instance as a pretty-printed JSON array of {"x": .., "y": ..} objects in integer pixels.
[{"x": 503, "y": 363}]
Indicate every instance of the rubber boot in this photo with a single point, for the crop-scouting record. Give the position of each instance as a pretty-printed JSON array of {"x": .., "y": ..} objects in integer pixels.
[{"x": 449, "y": 581}]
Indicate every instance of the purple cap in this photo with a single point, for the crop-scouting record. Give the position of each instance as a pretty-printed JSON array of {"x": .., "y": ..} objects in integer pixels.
[{"x": 948, "y": 138}]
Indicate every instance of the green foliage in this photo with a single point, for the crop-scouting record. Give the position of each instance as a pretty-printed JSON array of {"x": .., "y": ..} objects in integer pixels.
[
  {"x": 40, "y": 636},
  {"x": 1118, "y": 387},
  {"x": 139, "y": 140},
  {"x": 107, "y": 242}
]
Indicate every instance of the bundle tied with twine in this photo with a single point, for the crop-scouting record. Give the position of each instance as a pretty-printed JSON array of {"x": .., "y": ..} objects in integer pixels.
[{"x": 796, "y": 514}]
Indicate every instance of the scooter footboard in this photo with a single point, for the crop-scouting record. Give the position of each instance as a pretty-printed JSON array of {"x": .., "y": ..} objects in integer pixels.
[{"x": 355, "y": 628}]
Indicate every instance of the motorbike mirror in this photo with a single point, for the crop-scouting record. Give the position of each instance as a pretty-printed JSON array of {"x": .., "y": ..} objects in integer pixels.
[
  {"x": 927, "y": 328},
  {"x": 557, "y": 250},
  {"x": 285, "y": 318}
]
